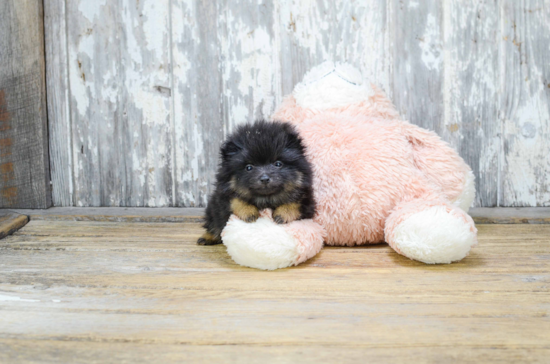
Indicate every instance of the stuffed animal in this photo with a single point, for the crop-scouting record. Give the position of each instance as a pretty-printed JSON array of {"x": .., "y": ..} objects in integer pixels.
[{"x": 376, "y": 178}]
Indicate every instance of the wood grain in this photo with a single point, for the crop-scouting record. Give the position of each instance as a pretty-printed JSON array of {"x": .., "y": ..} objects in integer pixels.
[
  {"x": 58, "y": 97},
  {"x": 133, "y": 291},
  {"x": 24, "y": 163},
  {"x": 86, "y": 352}
]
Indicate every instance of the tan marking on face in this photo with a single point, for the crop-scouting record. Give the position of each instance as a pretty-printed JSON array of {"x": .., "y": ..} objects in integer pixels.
[
  {"x": 287, "y": 213},
  {"x": 297, "y": 183},
  {"x": 241, "y": 191},
  {"x": 244, "y": 211}
]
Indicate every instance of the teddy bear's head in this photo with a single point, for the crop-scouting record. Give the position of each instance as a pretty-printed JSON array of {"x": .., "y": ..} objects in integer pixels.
[
  {"x": 332, "y": 85},
  {"x": 335, "y": 88}
]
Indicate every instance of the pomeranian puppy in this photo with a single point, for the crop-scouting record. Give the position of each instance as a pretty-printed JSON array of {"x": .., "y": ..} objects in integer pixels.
[{"x": 262, "y": 166}]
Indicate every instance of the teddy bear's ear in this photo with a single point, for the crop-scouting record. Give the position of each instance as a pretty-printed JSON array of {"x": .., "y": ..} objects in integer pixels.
[{"x": 229, "y": 149}]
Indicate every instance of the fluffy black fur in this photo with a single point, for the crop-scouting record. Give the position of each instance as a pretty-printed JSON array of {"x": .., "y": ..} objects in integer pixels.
[{"x": 262, "y": 164}]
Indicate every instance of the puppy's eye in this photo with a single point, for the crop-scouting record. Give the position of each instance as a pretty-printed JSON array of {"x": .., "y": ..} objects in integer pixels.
[
  {"x": 278, "y": 164},
  {"x": 249, "y": 167}
]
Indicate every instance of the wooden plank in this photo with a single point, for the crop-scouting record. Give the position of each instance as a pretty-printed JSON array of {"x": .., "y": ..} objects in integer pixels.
[
  {"x": 50, "y": 351},
  {"x": 58, "y": 95},
  {"x": 24, "y": 164},
  {"x": 120, "y": 79},
  {"x": 197, "y": 100},
  {"x": 470, "y": 79},
  {"x": 416, "y": 36},
  {"x": 10, "y": 222},
  {"x": 250, "y": 60},
  {"x": 525, "y": 102},
  {"x": 122, "y": 290}
]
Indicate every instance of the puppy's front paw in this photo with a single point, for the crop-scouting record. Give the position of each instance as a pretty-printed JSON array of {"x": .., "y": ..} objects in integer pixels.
[
  {"x": 208, "y": 239},
  {"x": 244, "y": 211},
  {"x": 286, "y": 213},
  {"x": 279, "y": 219},
  {"x": 251, "y": 218}
]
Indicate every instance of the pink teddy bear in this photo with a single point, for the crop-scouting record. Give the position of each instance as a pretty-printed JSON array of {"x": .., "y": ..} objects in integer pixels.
[{"x": 376, "y": 178}]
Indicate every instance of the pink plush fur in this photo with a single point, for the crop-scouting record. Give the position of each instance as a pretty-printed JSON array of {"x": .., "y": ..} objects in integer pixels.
[{"x": 367, "y": 162}]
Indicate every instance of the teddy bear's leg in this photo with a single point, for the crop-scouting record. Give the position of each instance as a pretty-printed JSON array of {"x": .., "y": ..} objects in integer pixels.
[
  {"x": 442, "y": 166},
  {"x": 264, "y": 244},
  {"x": 430, "y": 231}
]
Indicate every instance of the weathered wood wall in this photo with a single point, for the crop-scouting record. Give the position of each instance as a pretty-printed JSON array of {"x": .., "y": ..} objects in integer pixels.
[
  {"x": 24, "y": 164},
  {"x": 142, "y": 92}
]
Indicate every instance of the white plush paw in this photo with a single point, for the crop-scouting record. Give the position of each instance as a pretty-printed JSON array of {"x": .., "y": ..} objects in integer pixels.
[
  {"x": 263, "y": 244},
  {"x": 435, "y": 235}
]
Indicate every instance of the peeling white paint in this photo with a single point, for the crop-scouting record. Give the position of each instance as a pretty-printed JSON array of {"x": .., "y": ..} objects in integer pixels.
[
  {"x": 91, "y": 9},
  {"x": 431, "y": 45}
]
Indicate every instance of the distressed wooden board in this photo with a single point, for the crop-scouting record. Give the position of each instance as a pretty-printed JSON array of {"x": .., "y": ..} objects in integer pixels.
[
  {"x": 525, "y": 102},
  {"x": 416, "y": 42},
  {"x": 10, "y": 222},
  {"x": 120, "y": 77},
  {"x": 197, "y": 99},
  {"x": 250, "y": 60},
  {"x": 58, "y": 96},
  {"x": 24, "y": 164},
  {"x": 130, "y": 290},
  {"x": 471, "y": 78}
]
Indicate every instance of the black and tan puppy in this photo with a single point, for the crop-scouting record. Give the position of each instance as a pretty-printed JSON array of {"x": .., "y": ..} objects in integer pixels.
[{"x": 262, "y": 166}]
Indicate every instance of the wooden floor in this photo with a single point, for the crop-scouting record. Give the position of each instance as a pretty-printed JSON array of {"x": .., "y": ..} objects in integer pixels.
[{"x": 112, "y": 292}]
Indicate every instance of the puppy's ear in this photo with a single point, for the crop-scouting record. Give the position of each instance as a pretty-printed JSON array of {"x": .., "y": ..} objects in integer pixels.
[
  {"x": 293, "y": 140},
  {"x": 229, "y": 149}
]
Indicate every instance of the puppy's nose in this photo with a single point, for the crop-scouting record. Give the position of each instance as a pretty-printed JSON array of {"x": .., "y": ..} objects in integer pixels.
[{"x": 265, "y": 179}]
